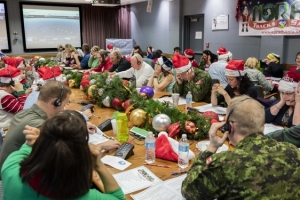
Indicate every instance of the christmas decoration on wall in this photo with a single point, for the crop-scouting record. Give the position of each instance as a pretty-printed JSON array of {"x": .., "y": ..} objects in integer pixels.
[{"x": 161, "y": 122}]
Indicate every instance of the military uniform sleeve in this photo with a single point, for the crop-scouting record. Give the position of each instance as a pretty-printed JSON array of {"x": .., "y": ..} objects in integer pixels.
[
  {"x": 203, "y": 85},
  {"x": 290, "y": 135},
  {"x": 202, "y": 179},
  {"x": 178, "y": 88}
]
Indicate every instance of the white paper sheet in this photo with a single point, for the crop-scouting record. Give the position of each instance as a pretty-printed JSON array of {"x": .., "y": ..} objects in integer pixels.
[
  {"x": 136, "y": 179},
  {"x": 67, "y": 67},
  {"x": 116, "y": 162},
  {"x": 168, "y": 190},
  {"x": 270, "y": 128},
  {"x": 181, "y": 101},
  {"x": 209, "y": 107},
  {"x": 97, "y": 138}
]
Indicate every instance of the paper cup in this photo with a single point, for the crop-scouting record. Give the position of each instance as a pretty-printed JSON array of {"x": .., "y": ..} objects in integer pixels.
[{"x": 114, "y": 126}]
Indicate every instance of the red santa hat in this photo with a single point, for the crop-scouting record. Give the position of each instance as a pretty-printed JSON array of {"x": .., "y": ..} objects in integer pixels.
[
  {"x": 223, "y": 54},
  {"x": 10, "y": 73},
  {"x": 235, "y": 68},
  {"x": 48, "y": 73},
  {"x": 181, "y": 63},
  {"x": 110, "y": 47},
  {"x": 14, "y": 61},
  {"x": 289, "y": 82},
  {"x": 189, "y": 53}
]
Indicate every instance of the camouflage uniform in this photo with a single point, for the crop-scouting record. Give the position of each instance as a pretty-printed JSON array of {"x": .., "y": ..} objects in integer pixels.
[
  {"x": 290, "y": 135},
  {"x": 200, "y": 86},
  {"x": 258, "y": 168}
]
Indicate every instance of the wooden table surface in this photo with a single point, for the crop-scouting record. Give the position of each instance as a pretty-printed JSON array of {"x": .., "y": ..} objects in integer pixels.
[{"x": 139, "y": 150}]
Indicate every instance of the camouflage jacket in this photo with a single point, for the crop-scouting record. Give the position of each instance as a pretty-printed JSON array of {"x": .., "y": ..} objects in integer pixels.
[
  {"x": 258, "y": 168},
  {"x": 200, "y": 86},
  {"x": 290, "y": 135}
]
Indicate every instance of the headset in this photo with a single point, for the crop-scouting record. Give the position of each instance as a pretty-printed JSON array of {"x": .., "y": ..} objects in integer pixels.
[
  {"x": 57, "y": 102},
  {"x": 12, "y": 82},
  {"x": 137, "y": 61},
  {"x": 227, "y": 126},
  {"x": 240, "y": 76},
  {"x": 118, "y": 56}
]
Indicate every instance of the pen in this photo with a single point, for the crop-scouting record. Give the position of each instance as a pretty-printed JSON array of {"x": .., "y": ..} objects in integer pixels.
[
  {"x": 164, "y": 166},
  {"x": 178, "y": 173}
]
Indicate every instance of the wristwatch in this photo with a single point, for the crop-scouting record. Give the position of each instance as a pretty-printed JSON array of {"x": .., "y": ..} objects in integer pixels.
[{"x": 155, "y": 76}]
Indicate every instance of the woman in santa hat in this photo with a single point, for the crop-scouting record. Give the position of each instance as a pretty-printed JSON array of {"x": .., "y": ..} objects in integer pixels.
[
  {"x": 238, "y": 84},
  {"x": 190, "y": 54}
]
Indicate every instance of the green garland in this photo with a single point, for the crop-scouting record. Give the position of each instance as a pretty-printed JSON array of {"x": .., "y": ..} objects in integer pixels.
[
  {"x": 76, "y": 76},
  {"x": 45, "y": 62},
  {"x": 116, "y": 89}
]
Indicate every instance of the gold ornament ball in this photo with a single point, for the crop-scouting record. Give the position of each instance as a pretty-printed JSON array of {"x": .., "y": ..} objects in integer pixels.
[
  {"x": 137, "y": 117},
  {"x": 90, "y": 90},
  {"x": 71, "y": 83}
]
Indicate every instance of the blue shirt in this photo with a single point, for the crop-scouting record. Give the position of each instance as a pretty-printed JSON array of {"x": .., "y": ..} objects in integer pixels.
[{"x": 85, "y": 60}]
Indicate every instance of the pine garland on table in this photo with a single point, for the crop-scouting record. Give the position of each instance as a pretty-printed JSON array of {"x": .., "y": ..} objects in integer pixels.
[
  {"x": 73, "y": 78},
  {"x": 40, "y": 62}
]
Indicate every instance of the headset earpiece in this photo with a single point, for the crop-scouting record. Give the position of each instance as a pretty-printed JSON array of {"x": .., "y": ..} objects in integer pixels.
[
  {"x": 57, "y": 102},
  {"x": 137, "y": 61}
]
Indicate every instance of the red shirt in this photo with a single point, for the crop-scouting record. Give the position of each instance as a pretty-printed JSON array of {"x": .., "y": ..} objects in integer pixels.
[{"x": 103, "y": 67}]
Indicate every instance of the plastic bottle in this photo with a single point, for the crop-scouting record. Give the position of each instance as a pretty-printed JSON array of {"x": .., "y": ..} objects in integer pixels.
[
  {"x": 122, "y": 121},
  {"x": 150, "y": 148},
  {"x": 183, "y": 152},
  {"x": 189, "y": 99}
]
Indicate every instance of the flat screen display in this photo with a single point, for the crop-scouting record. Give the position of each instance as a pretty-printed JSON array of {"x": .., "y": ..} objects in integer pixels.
[
  {"x": 4, "y": 36},
  {"x": 46, "y": 26}
]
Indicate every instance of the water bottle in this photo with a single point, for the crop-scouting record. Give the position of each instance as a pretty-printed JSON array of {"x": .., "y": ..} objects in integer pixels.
[
  {"x": 183, "y": 153},
  {"x": 189, "y": 99},
  {"x": 122, "y": 133},
  {"x": 150, "y": 148}
]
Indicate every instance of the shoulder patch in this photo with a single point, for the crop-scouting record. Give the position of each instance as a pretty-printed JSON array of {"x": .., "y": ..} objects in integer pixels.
[
  {"x": 199, "y": 82},
  {"x": 208, "y": 160}
]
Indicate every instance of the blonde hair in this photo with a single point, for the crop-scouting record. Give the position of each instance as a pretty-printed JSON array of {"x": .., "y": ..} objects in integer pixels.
[
  {"x": 251, "y": 62},
  {"x": 60, "y": 47},
  {"x": 95, "y": 49},
  {"x": 248, "y": 115},
  {"x": 72, "y": 49},
  {"x": 68, "y": 46}
]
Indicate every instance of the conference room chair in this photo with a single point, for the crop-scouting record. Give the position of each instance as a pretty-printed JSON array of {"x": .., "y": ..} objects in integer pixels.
[{"x": 149, "y": 61}]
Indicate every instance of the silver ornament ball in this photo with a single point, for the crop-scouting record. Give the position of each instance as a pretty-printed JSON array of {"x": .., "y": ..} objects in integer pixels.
[
  {"x": 100, "y": 91},
  {"x": 92, "y": 81},
  {"x": 161, "y": 122},
  {"x": 106, "y": 101},
  {"x": 108, "y": 80}
]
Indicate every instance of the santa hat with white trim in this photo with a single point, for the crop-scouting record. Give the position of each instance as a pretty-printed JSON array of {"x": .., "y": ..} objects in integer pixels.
[
  {"x": 223, "y": 54},
  {"x": 235, "y": 68},
  {"x": 14, "y": 61},
  {"x": 181, "y": 63},
  {"x": 10, "y": 73},
  {"x": 289, "y": 82},
  {"x": 49, "y": 73},
  {"x": 189, "y": 53}
]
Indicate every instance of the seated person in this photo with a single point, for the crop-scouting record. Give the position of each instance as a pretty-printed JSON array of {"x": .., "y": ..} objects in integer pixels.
[
  {"x": 255, "y": 76},
  {"x": 10, "y": 105},
  {"x": 141, "y": 70},
  {"x": 136, "y": 49},
  {"x": 207, "y": 59},
  {"x": 283, "y": 112},
  {"x": 83, "y": 64},
  {"x": 60, "y": 50},
  {"x": 177, "y": 50},
  {"x": 238, "y": 84},
  {"x": 162, "y": 79},
  {"x": 157, "y": 54},
  {"x": 150, "y": 52},
  {"x": 67, "y": 171},
  {"x": 257, "y": 168},
  {"x": 66, "y": 54},
  {"x": 271, "y": 66},
  {"x": 296, "y": 69},
  {"x": 119, "y": 63},
  {"x": 93, "y": 60},
  {"x": 192, "y": 79},
  {"x": 189, "y": 53},
  {"x": 104, "y": 62}
]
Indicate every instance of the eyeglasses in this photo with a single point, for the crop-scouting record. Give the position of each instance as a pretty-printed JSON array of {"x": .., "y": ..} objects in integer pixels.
[
  {"x": 287, "y": 93},
  {"x": 297, "y": 59}
]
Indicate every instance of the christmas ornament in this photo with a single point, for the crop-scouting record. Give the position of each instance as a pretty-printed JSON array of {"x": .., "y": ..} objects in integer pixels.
[
  {"x": 137, "y": 117},
  {"x": 108, "y": 81},
  {"x": 90, "y": 90},
  {"x": 190, "y": 127},
  {"x": 106, "y": 101},
  {"x": 92, "y": 81},
  {"x": 125, "y": 82},
  {"x": 116, "y": 103},
  {"x": 161, "y": 122},
  {"x": 211, "y": 115},
  {"x": 126, "y": 104},
  {"x": 148, "y": 91},
  {"x": 213, "y": 121},
  {"x": 174, "y": 129},
  {"x": 100, "y": 91},
  {"x": 68, "y": 75},
  {"x": 71, "y": 83}
]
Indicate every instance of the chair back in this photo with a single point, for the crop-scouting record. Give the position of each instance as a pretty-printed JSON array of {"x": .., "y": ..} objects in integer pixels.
[
  {"x": 149, "y": 61},
  {"x": 259, "y": 91}
]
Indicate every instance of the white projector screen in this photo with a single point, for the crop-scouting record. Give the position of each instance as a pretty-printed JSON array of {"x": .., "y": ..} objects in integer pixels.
[
  {"x": 4, "y": 39},
  {"x": 46, "y": 26}
]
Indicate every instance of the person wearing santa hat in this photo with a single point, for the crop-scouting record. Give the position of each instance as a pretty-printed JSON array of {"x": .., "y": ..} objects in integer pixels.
[
  {"x": 217, "y": 69},
  {"x": 192, "y": 79},
  {"x": 238, "y": 84},
  {"x": 271, "y": 66},
  {"x": 190, "y": 54},
  {"x": 286, "y": 111},
  {"x": 10, "y": 105}
]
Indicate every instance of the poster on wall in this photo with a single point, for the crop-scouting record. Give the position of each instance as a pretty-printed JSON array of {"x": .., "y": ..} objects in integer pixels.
[
  {"x": 220, "y": 22},
  {"x": 268, "y": 17}
]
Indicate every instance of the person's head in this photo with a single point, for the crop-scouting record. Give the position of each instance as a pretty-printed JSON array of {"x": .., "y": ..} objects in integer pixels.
[
  {"x": 68, "y": 46},
  {"x": 251, "y": 62},
  {"x": 165, "y": 65},
  {"x": 102, "y": 55},
  {"x": 53, "y": 97},
  {"x": 245, "y": 116},
  {"x": 60, "y": 159},
  {"x": 115, "y": 56},
  {"x": 297, "y": 59},
  {"x": 273, "y": 57},
  {"x": 85, "y": 48},
  {"x": 60, "y": 48},
  {"x": 189, "y": 53},
  {"x": 177, "y": 50},
  {"x": 94, "y": 49},
  {"x": 205, "y": 54},
  {"x": 149, "y": 49},
  {"x": 2, "y": 64},
  {"x": 136, "y": 61},
  {"x": 136, "y": 48},
  {"x": 8, "y": 76},
  {"x": 224, "y": 55},
  {"x": 157, "y": 54},
  {"x": 286, "y": 87},
  {"x": 183, "y": 66}
]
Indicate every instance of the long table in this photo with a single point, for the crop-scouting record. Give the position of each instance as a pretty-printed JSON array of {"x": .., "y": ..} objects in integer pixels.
[{"x": 139, "y": 150}]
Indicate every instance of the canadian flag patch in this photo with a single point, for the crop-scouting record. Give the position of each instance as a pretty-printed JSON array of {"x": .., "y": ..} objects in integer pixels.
[
  {"x": 198, "y": 82},
  {"x": 208, "y": 160}
]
